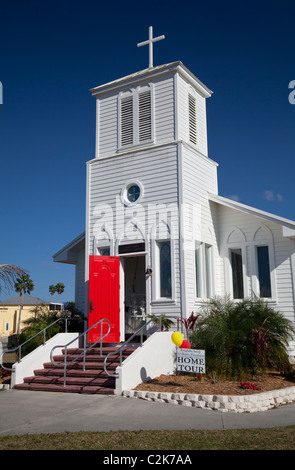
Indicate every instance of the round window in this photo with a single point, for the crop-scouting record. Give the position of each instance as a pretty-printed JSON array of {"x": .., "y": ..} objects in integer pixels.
[{"x": 133, "y": 193}]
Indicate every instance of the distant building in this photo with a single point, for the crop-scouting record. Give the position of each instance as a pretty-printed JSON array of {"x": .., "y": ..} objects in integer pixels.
[{"x": 9, "y": 312}]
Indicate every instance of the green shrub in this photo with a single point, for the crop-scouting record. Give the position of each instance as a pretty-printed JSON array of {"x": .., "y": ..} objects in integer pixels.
[
  {"x": 42, "y": 319},
  {"x": 36, "y": 324},
  {"x": 242, "y": 337}
]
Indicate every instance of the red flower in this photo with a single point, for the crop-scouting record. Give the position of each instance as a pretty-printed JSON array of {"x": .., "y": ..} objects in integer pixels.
[{"x": 249, "y": 386}]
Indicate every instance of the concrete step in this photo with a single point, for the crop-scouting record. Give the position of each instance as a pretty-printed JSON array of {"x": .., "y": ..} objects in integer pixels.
[
  {"x": 92, "y": 380},
  {"x": 79, "y": 365},
  {"x": 108, "y": 382},
  {"x": 59, "y": 372},
  {"x": 68, "y": 389}
]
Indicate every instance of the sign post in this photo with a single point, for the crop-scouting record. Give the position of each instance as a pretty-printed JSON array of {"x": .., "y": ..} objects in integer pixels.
[{"x": 190, "y": 360}]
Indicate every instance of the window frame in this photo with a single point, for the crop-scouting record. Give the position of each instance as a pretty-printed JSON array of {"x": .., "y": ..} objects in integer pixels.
[
  {"x": 192, "y": 119},
  {"x": 250, "y": 262},
  {"x": 242, "y": 247},
  {"x": 135, "y": 94},
  {"x": 100, "y": 248},
  {"x": 103, "y": 240},
  {"x": 156, "y": 297},
  {"x": 126, "y": 96},
  {"x": 203, "y": 274},
  {"x": 158, "y": 269},
  {"x": 231, "y": 250},
  {"x": 124, "y": 193},
  {"x": 255, "y": 280}
]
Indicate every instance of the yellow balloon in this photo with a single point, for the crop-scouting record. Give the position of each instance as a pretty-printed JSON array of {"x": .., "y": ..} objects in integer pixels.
[{"x": 177, "y": 338}]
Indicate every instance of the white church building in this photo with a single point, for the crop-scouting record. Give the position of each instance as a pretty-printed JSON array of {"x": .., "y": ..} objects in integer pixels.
[{"x": 158, "y": 237}]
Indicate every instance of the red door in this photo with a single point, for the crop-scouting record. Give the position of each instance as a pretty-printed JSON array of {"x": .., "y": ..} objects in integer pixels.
[{"x": 104, "y": 297}]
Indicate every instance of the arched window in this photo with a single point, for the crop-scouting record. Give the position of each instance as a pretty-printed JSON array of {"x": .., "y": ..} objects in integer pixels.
[
  {"x": 249, "y": 262},
  {"x": 204, "y": 270},
  {"x": 164, "y": 248},
  {"x": 163, "y": 262},
  {"x": 103, "y": 242},
  {"x": 236, "y": 264},
  {"x": 263, "y": 262}
]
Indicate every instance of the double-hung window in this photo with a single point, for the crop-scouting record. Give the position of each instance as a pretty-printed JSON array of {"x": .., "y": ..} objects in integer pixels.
[
  {"x": 250, "y": 263},
  {"x": 198, "y": 267},
  {"x": 263, "y": 268},
  {"x": 136, "y": 117},
  {"x": 164, "y": 266},
  {"x": 203, "y": 270},
  {"x": 237, "y": 273}
]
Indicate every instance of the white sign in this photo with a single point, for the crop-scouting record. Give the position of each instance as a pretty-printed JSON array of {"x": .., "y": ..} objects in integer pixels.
[{"x": 191, "y": 360}]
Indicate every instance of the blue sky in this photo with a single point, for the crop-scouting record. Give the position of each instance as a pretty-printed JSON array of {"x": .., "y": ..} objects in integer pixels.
[{"x": 52, "y": 53}]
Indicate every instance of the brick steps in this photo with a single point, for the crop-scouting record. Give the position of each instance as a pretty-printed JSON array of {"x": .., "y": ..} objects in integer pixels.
[
  {"x": 67, "y": 389},
  {"x": 93, "y": 380},
  {"x": 73, "y": 372}
]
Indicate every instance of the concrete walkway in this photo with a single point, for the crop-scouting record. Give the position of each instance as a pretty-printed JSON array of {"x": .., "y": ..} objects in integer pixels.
[{"x": 27, "y": 412}]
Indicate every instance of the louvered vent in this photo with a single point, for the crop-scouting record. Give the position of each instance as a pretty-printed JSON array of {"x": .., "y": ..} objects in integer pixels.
[
  {"x": 127, "y": 121},
  {"x": 192, "y": 119},
  {"x": 144, "y": 116}
]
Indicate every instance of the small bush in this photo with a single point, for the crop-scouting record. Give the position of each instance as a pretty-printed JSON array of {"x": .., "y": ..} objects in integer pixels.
[
  {"x": 242, "y": 337},
  {"x": 44, "y": 319}
]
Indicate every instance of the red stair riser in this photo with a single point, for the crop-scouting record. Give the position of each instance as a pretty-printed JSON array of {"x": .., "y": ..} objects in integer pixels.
[{"x": 93, "y": 380}]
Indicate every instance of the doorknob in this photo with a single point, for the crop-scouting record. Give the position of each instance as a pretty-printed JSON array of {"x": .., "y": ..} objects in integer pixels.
[{"x": 91, "y": 306}]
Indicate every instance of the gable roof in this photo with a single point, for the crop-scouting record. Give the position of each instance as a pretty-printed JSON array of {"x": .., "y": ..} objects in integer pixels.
[
  {"x": 151, "y": 73},
  {"x": 28, "y": 300},
  {"x": 68, "y": 254},
  {"x": 288, "y": 225}
]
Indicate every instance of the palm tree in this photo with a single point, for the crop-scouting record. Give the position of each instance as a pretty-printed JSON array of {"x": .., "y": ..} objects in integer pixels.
[
  {"x": 23, "y": 285},
  {"x": 8, "y": 275},
  {"x": 60, "y": 287},
  {"x": 52, "y": 290}
]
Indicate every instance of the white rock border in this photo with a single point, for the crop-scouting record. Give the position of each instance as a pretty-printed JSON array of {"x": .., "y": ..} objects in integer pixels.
[
  {"x": 4, "y": 386},
  {"x": 232, "y": 403}
]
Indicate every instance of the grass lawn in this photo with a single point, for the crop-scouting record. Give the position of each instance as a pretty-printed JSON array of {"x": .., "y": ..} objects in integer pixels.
[{"x": 282, "y": 438}]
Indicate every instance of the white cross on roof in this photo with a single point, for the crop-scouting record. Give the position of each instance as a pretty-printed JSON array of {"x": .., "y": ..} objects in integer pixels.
[{"x": 150, "y": 42}]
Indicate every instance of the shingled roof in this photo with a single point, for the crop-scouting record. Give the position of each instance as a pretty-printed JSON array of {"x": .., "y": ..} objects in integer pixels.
[{"x": 28, "y": 300}]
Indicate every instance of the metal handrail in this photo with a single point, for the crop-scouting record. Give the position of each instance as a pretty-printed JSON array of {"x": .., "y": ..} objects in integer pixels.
[
  {"x": 65, "y": 364},
  {"x": 125, "y": 344},
  {"x": 7, "y": 351}
]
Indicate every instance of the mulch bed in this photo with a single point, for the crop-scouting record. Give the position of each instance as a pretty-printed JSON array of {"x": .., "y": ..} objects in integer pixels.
[
  {"x": 206, "y": 386},
  {"x": 5, "y": 377}
]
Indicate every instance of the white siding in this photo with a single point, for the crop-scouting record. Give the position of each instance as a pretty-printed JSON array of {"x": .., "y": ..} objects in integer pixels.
[
  {"x": 198, "y": 178},
  {"x": 156, "y": 169},
  {"x": 107, "y": 125},
  {"x": 164, "y": 110},
  {"x": 183, "y": 89},
  {"x": 229, "y": 220},
  {"x": 107, "y": 117}
]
